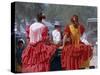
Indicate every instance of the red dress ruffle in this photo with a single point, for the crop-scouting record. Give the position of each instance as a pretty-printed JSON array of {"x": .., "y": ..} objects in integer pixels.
[
  {"x": 36, "y": 57},
  {"x": 72, "y": 57}
]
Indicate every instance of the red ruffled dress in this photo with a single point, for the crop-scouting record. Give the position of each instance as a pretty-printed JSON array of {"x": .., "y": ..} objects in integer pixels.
[
  {"x": 36, "y": 56},
  {"x": 74, "y": 57}
]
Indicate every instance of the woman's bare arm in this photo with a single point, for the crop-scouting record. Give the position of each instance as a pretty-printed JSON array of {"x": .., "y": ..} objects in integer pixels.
[{"x": 64, "y": 41}]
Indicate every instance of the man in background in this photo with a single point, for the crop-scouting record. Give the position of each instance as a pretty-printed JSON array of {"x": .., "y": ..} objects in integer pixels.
[{"x": 56, "y": 39}]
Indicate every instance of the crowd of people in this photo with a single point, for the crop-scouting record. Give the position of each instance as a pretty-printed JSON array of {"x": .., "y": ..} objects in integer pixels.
[{"x": 56, "y": 51}]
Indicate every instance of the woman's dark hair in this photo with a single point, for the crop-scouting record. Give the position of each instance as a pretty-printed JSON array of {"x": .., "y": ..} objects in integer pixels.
[
  {"x": 56, "y": 26},
  {"x": 74, "y": 18},
  {"x": 39, "y": 17}
]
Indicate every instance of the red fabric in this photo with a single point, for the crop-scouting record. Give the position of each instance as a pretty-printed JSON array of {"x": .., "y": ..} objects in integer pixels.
[
  {"x": 36, "y": 57},
  {"x": 45, "y": 33},
  {"x": 72, "y": 57},
  {"x": 67, "y": 29},
  {"x": 27, "y": 31}
]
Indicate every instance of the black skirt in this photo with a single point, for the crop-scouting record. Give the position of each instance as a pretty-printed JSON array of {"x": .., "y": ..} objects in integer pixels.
[{"x": 55, "y": 64}]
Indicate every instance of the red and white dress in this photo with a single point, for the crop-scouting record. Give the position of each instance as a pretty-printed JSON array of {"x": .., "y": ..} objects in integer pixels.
[
  {"x": 74, "y": 57},
  {"x": 36, "y": 56}
]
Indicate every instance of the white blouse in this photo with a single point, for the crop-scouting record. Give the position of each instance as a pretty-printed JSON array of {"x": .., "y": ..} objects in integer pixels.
[
  {"x": 36, "y": 32},
  {"x": 56, "y": 36}
]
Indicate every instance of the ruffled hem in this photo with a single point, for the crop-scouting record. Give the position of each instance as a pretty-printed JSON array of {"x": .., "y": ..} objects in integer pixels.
[
  {"x": 35, "y": 57},
  {"x": 72, "y": 57}
]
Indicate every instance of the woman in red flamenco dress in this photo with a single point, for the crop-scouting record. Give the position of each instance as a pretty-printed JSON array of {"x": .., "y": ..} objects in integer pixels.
[
  {"x": 36, "y": 56},
  {"x": 75, "y": 54}
]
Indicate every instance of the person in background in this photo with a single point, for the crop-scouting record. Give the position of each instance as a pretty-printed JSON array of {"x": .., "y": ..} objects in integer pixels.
[
  {"x": 56, "y": 33},
  {"x": 36, "y": 56},
  {"x": 93, "y": 61},
  {"x": 56, "y": 38},
  {"x": 75, "y": 54},
  {"x": 19, "y": 54},
  {"x": 84, "y": 39}
]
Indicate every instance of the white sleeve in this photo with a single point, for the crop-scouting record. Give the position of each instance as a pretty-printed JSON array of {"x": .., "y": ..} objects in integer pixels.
[
  {"x": 30, "y": 33},
  {"x": 58, "y": 37}
]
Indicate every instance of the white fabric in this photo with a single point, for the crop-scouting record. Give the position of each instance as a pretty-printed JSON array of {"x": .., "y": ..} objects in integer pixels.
[
  {"x": 93, "y": 61},
  {"x": 84, "y": 39},
  {"x": 36, "y": 32},
  {"x": 56, "y": 36}
]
